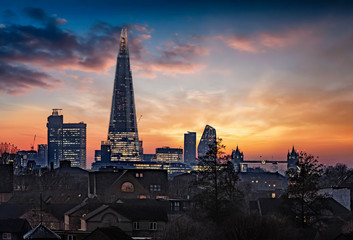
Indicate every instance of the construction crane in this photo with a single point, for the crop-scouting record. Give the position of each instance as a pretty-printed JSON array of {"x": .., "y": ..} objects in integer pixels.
[{"x": 34, "y": 139}]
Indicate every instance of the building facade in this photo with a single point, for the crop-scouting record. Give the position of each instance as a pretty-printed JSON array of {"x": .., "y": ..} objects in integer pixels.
[
  {"x": 123, "y": 134},
  {"x": 42, "y": 158},
  {"x": 167, "y": 154},
  {"x": 208, "y": 139},
  {"x": 66, "y": 141},
  {"x": 190, "y": 147}
]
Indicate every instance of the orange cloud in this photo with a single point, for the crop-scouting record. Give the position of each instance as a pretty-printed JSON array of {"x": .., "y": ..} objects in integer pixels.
[
  {"x": 262, "y": 42},
  {"x": 144, "y": 36}
]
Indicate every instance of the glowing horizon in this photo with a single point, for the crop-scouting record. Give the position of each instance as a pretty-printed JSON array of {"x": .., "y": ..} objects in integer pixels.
[{"x": 264, "y": 81}]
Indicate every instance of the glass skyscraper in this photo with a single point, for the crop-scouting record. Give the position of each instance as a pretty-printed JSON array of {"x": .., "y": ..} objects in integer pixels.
[
  {"x": 122, "y": 134},
  {"x": 207, "y": 140},
  {"x": 190, "y": 147},
  {"x": 66, "y": 141}
]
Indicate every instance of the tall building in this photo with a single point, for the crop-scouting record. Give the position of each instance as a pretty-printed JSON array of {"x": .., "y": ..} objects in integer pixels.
[
  {"x": 66, "y": 141},
  {"x": 74, "y": 144},
  {"x": 42, "y": 158},
  {"x": 169, "y": 155},
  {"x": 189, "y": 147},
  {"x": 207, "y": 140},
  {"x": 55, "y": 141},
  {"x": 122, "y": 134}
]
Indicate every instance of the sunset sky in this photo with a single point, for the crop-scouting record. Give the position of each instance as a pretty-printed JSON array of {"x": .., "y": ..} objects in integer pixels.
[{"x": 267, "y": 75}]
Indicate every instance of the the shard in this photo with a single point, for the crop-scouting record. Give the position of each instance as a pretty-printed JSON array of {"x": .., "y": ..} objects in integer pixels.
[{"x": 122, "y": 134}]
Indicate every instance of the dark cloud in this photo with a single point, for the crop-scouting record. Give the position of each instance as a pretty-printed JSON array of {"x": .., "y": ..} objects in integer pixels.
[
  {"x": 36, "y": 13},
  {"x": 17, "y": 79},
  {"x": 50, "y": 46},
  {"x": 8, "y": 15},
  {"x": 39, "y": 15}
]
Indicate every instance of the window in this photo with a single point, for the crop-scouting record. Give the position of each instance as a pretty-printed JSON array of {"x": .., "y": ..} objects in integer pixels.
[
  {"x": 71, "y": 237},
  {"x": 127, "y": 187},
  {"x": 139, "y": 175},
  {"x": 136, "y": 225},
  {"x": 175, "y": 206},
  {"x": 155, "y": 188},
  {"x": 6, "y": 236},
  {"x": 153, "y": 226}
]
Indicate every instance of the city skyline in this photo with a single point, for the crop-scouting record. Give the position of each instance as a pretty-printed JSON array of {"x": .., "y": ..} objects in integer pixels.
[{"x": 264, "y": 81}]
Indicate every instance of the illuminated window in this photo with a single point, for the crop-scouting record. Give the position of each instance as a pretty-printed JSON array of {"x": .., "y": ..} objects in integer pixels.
[
  {"x": 273, "y": 195},
  {"x": 127, "y": 187},
  {"x": 139, "y": 175}
]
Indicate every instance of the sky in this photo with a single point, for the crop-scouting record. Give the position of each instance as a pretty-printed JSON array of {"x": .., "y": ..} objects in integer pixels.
[{"x": 267, "y": 75}]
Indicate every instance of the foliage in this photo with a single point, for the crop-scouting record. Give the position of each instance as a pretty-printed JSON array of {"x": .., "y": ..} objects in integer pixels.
[
  {"x": 216, "y": 182},
  {"x": 336, "y": 176},
  {"x": 303, "y": 189},
  {"x": 186, "y": 228},
  {"x": 244, "y": 227}
]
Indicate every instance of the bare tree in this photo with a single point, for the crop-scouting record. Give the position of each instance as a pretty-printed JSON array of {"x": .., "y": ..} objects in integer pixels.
[
  {"x": 303, "y": 189},
  {"x": 216, "y": 182}
]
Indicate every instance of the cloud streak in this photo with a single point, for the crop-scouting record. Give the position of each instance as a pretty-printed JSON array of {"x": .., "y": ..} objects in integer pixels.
[
  {"x": 266, "y": 41},
  {"x": 16, "y": 80}
]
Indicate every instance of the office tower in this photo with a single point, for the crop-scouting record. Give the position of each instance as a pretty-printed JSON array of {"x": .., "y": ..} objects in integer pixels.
[
  {"x": 122, "y": 133},
  {"x": 207, "y": 140},
  {"x": 66, "y": 141},
  {"x": 168, "y": 155},
  {"x": 42, "y": 158},
  {"x": 55, "y": 141},
  {"x": 105, "y": 151},
  {"x": 97, "y": 155},
  {"x": 189, "y": 147},
  {"x": 74, "y": 144}
]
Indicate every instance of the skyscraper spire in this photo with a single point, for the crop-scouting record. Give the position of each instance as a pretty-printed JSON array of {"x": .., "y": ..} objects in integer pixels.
[
  {"x": 124, "y": 49},
  {"x": 123, "y": 134}
]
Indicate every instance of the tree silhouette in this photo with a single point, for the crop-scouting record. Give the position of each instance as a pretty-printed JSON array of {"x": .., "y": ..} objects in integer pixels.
[
  {"x": 303, "y": 189},
  {"x": 216, "y": 184}
]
